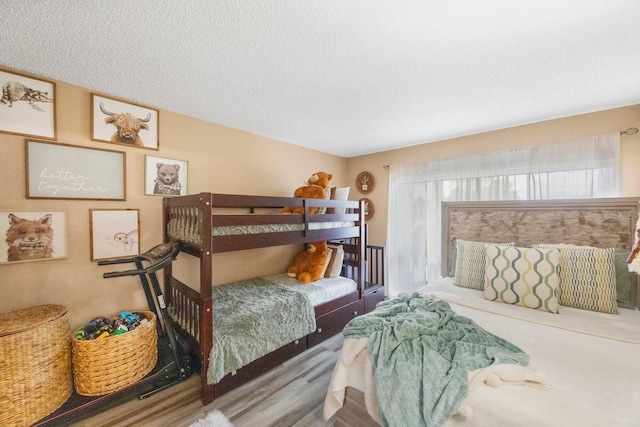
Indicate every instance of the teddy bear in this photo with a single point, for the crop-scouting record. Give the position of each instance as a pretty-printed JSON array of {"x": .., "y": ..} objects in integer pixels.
[
  {"x": 314, "y": 189},
  {"x": 309, "y": 265},
  {"x": 167, "y": 180}
]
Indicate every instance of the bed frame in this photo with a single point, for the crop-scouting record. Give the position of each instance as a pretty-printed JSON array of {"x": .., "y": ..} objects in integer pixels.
[{"x": 190, "y": 221}]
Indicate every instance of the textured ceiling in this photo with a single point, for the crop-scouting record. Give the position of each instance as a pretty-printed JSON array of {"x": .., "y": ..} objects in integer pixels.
[{"x": 347, "y": 77}]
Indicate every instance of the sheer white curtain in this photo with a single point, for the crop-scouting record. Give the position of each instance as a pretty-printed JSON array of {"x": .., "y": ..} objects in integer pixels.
[{"x": 577, "y": 169}]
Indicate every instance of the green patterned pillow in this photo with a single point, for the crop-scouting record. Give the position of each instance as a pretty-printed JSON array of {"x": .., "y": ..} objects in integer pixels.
[
  {"x": 623, "y": 281},
  {"x": 470, "y": 261},
  {"x": 522, "y": 276},
  {"x": 587, "y": 278}
]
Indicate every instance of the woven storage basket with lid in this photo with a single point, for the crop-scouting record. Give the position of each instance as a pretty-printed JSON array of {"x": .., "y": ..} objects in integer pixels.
[
  {"x": 35, "y": 363},
  {"x": 106, "y": 365}
]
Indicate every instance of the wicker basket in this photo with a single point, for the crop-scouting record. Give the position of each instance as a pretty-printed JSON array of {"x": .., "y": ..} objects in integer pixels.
[
  {"x": 35, "y": 363},
  {"x": 103, "y": 366}
]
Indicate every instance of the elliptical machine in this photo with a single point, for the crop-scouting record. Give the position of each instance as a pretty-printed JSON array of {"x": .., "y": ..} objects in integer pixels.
[{"x": 158, "y": 257}]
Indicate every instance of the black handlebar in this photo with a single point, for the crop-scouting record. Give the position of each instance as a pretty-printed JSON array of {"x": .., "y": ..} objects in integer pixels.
[{"x": 157, "y": 257}]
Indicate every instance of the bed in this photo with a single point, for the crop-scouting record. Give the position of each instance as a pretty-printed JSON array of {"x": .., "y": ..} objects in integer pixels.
[
  {"x": 582, "y": 366},
  {"x": 207, "y": 223}
]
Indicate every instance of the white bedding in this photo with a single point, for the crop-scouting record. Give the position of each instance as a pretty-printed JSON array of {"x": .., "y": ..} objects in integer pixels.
[{"x": 592, "y": 360}]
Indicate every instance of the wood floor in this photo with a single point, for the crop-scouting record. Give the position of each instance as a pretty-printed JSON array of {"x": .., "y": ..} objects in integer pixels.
[{"x": 290, "y": 395}]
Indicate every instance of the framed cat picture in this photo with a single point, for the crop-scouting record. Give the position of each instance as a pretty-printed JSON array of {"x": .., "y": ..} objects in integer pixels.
[
  {"x": 115, "y": 233},
  {"x": 165, "y": 177},
  {"x": 33, "y": 236}
]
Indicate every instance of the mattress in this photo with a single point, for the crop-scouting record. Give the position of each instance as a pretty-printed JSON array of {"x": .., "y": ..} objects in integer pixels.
[
  {"x": 319, "y": 292},
  {"x": 590, "y": 359},
  {"x": 234, "y": 230}
]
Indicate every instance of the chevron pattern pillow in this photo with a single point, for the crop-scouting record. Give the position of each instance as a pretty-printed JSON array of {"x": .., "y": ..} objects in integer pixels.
[
  {"x": 522, "y": 276},
  {"x": 587, "y": 278},
  {"x": 470, "y": 261}
]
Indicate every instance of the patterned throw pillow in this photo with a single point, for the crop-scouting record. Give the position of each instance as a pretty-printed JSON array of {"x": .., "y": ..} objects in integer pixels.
[
  {"x": 335, "y": 265},
  {"x": 522, "y": 276},
  {"x": 327, "y": 195},
  {"x": 587, "y": 278},
  {"x": 470, "y": 261}
]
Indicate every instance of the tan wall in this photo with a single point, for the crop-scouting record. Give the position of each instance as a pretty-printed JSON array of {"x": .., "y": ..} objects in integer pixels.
[
  {"x": 230, "y": 161},
  {"x": 220, "y": 160},
  {"x": 552, "y": 131}
]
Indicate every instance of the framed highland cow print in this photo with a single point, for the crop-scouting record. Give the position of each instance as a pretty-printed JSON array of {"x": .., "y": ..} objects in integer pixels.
[
  {"x": 124, "y": 123},
  {"x": 27, "y": 106},
  {"x": 33, "y": 236},
  {"x": 165, "y": 177}
]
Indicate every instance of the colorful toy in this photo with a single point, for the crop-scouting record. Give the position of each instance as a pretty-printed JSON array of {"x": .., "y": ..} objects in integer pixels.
[{"x": 102, "y": 327}]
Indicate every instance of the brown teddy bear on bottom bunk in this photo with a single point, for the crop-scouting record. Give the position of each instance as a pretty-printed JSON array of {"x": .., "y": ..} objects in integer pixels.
[{"x": 309, "y": 265}]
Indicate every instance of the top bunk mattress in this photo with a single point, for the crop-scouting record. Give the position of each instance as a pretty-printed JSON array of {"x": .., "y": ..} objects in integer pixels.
[{"x": 233, "y": 230}]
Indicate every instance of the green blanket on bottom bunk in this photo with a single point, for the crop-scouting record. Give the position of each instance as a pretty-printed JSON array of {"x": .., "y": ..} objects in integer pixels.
[
  {"x": 252, "y": 318},
  {"x": 421, "y": 352}
]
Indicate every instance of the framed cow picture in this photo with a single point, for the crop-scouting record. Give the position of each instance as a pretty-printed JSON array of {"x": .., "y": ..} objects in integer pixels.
[{"x": 124, "y": 123}]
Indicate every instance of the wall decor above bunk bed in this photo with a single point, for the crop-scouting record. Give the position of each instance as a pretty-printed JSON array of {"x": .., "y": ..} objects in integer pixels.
[{"x": 206, "y": 223}]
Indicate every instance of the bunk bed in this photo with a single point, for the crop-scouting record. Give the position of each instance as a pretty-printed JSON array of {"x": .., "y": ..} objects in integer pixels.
[{"x": 205, "y": 224}]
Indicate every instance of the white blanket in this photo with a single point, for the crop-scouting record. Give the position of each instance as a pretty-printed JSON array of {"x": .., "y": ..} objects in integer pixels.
[{"x": 584, "y": 370}]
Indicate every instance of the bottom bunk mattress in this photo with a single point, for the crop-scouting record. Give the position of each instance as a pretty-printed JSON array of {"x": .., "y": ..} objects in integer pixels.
[
  {"x": 254, "y": 317},
  {"x": 583, "y": 368}
]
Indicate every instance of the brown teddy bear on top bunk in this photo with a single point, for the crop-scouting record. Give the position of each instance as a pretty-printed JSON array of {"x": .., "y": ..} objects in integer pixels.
[
  {"x": 310, "y": 264},
  {"x": 314, "y": 189}
]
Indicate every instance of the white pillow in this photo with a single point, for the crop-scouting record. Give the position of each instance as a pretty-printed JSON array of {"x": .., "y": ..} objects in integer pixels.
[{"x": 339, "y": 194}]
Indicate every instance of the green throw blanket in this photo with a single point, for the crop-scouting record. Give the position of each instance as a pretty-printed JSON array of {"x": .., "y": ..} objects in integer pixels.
[
  {"x": 421, "y": 353},
  {"x": 252, "y": 318}
]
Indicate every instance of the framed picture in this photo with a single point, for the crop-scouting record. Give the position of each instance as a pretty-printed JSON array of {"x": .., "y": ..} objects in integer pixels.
[
  {"x": 165, "y": 177},
  {"x": 62, "y": 171},
  {"x": 33, "y": 236},
  {"x": 27, "y": 106},
  {"x": 365, "y": 182},
  {"x": 114, "y": 233},
  {"x": 369, "y": 209},
  {"x": 124, "y": 123}
]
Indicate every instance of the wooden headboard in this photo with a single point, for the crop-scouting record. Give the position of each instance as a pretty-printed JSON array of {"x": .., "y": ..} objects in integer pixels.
[{"x": 603, "y": 223}]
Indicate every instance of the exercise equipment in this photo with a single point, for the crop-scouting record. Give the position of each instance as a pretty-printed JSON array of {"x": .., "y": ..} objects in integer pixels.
[{"x": 147, "y": 264}]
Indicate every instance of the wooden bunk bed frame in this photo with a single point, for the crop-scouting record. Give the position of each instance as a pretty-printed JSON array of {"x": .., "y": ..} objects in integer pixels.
[{"x": 198, "y": 215}]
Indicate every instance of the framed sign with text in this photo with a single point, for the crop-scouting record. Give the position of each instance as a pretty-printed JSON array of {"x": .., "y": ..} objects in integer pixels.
[{"x": 62, "y": 171}]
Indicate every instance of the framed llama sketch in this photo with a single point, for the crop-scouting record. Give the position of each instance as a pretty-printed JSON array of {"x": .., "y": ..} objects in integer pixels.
[
  {"x": 33, "y": 236},
  {"x": 27, "y": 106},
  {"x": 114, "y": 233},
  {"x": 62, "y": 171},
  {"x": 165, "y": 177},
  {"x": 124, "y": 123}
]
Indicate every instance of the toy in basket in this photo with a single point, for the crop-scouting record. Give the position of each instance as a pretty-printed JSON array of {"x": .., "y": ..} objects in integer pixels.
[{"x": 105, "y": 361}]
